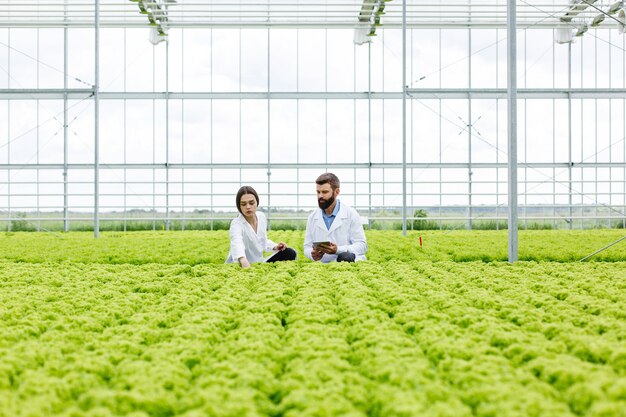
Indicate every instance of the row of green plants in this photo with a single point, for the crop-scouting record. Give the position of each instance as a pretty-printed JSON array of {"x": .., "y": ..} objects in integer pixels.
[
  {"x": 199, "y": 247},
  {"x": 389, "y": 338}
]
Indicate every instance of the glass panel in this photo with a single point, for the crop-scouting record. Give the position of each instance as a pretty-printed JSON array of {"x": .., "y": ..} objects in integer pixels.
[
  {"x": 191, "y": 60},
  {"x": 283, "y": 56},
  {"x": 254, "y": 60},
  {"x": 254, "y": 131},
  {"x": 23, "y": 58},
  {"x": 283, "y": 133},
  {"x": 312, "y": 131},
  {"x": 312, "y": 59},
  {"x": 225, "y": 52},
  {"x": 340, "y": 131},
  {"x": 80, "y": 58},
  {"x": 226, "y": 131}
]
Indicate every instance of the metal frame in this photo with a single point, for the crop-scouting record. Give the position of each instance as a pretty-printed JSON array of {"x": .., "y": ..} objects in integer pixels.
[
  {"x": 295, "y": 14},
  {"x": 415, "y": 18}
]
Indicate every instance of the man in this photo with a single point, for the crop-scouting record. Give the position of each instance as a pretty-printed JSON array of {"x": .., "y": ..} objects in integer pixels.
[{"x": 334, "y": 232}]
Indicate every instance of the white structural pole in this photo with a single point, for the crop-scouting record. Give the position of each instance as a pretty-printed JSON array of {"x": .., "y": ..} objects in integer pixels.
[
  {"x": 512, "y": 128},
  {"x": 66, "y": 223},
  {"x": 96, "y": 180},
  {"x": 570, "y": 219},
  {"x": 269, "y": 121},
  {"x": 404, "y": 87},
  {"x": 167, "y": 136},
  {"x": 369, "y": 131},
  {"x": 469, "y": 132}
]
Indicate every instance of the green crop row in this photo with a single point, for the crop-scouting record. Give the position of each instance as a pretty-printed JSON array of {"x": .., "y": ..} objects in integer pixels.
[
  {"x": 201, "y": 247},
  {"x": 396, "y": 338}
]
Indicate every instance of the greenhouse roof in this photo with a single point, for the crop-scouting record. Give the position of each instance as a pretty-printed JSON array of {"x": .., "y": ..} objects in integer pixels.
[{"x": 281, "y": 13}]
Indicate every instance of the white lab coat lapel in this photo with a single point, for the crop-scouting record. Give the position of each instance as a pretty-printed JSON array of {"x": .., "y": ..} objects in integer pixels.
[
  {"x": 248, "y": 230},
  {"x": 319, "y": 224}
]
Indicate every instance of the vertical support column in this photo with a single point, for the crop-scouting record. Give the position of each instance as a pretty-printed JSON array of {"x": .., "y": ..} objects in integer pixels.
[
  {"x": 497, "y": 111},
  {"x": 211, "y": 131},
  {"x": 38, "y": 226},
  {"x": 404, "y": 117},
  {"x": 182, "y": 130},
  {"x": 525, "y": 138},
  {"x": 610, "y": 202},
  {"x": 354, "y": 127},
  {"x": 167, "y": 136},
  {"x": 570, "y": 220},
  {"x": 154, "y": 169},
  {"x": 269, "y": 139},
  {"x": 469, "y": 131},
  {"x": 297, "y": 121},
  {"x": 369, "y": 129},
  {"x": 554, "y": 208},
  {"x": 411, "y": 144},
  {"x": 439, "y": 129},
  {"x": 96, "y": 180},
  {"x": 124, "y": 122},
  {"x": 512, "y": 128},
  {"x": 8, "y": 136},
  {"x": 595, "y": 150},
  {"x": 66, "y": 220}
]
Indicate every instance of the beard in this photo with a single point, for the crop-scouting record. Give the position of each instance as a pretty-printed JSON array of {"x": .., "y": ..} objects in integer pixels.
[{"x": 324, "y": 204}]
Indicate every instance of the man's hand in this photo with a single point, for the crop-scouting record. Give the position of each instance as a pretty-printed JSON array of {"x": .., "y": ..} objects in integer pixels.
[
  {"x": 243, "y": 261},
  {"x": 329, "y": 248},
  {"x": 316, "y": 254}
]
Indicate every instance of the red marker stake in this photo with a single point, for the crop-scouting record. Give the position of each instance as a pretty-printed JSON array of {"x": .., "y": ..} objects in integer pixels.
[{"x": 420, "y": 241}]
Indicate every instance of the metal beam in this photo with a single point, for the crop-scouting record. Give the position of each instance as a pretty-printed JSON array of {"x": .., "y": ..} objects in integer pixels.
[
  {"x": 96, "y": 101},
  {"x": 545, "y": 24},
  {"x": 404, "y": 96},
  {"x": 416, "y": 93},
  {"x": 347, "y": 165},
  {"x": 512, "y": 129},
  {"x": 285, "y": 14}
]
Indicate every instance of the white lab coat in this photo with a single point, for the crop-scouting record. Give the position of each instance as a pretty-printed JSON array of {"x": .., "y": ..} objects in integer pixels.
[
  {"x": 244, "y": 241},
  {"x": 346, "y": 232}
]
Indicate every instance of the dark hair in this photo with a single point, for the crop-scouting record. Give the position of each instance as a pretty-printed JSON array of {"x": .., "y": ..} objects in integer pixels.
[
  {"x": 328, "y": 178},
  {"x": 246, "y": 189}
]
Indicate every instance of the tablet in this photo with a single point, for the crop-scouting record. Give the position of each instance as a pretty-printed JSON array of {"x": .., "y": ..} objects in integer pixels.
[{"x": 321, "y": 243}]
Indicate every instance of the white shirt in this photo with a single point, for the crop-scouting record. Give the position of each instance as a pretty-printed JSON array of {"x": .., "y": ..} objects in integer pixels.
[
  {"x": 346, "y": 232},
  {"x": 244, "y": 241}
]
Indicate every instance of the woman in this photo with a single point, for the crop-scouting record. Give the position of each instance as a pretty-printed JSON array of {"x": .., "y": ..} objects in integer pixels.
[{"x": 248, "y": 237}]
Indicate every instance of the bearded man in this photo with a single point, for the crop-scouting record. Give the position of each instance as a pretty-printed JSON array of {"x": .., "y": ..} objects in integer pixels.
[{"x": 334, "y": 232}]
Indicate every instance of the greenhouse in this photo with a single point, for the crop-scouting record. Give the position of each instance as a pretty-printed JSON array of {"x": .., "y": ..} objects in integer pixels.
[
  {"x": 109, "y": 110},
  {"x": 480, "y": 144}
]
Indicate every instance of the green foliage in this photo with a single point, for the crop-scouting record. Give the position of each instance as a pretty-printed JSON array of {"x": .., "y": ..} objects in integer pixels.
[
  {"x": 21, "y": 225},
  {"x": 381, "y": 220},
  {"x": 158, "y": 225},
  {"x": 621, "y": 224},
  {"x": 378, "y": 338},
  {"x": 489, "y": 225},
  {"x": 536, "y": 226},
  {"x": 201, "y": 247},
  {"x": 420, "y": 223},
  {"x": 155, "y": 324}
]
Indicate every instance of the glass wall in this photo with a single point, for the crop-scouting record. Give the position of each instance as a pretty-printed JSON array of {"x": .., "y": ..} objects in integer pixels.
[{"x": 183, "y": 124}]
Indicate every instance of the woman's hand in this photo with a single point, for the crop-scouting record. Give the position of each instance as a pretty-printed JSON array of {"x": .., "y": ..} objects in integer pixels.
[
  {"x": 280, "y": 247},
  {"x": 243, "y": 261}
]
